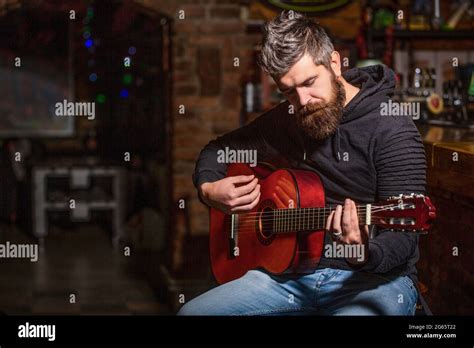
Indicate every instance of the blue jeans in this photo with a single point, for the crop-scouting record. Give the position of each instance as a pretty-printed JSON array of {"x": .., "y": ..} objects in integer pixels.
[{"x": 327, "y": 291}]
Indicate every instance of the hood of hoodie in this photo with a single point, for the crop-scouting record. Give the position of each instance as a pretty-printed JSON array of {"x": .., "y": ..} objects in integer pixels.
[{"x": 376, "y": 84}]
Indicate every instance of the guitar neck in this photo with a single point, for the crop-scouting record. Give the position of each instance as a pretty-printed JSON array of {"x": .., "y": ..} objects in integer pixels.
[{"x": 307, "y": 219}]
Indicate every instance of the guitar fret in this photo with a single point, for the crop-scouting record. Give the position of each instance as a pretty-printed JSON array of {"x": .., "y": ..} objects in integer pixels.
[
  {"x": 299, "y": 221},
  {"x": 320, "y": 211},
  {"x": 304, "y": 222},
  {"x": 280, "y": 226},
  {"x": 292, "y": 222},
  {"x": 295, "y": 220},
  {"x": 283, "y": 217},
  {"x": 314, "y": 215},
  {"x": 319, "y": 214},
  {"x": 309, "y": 218},
  {"x": 280, "y": 221},
  {"x": 280, "y": 217},
  {"x": 306, "y": 216},
  {"x": 324, "y": 213},
  {"x": 303, "y": 219},
  {"x": 277, "y": 221}
]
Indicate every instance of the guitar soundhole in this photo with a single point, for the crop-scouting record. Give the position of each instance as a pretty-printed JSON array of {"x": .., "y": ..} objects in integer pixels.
[{"x": 265, "y": 223}]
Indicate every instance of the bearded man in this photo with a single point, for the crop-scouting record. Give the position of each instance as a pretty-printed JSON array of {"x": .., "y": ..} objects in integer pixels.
[{"x": 330, "y": 124}]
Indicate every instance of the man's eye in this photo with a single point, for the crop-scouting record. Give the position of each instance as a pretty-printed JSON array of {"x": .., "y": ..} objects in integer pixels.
[{"x": 309, "y": 83}]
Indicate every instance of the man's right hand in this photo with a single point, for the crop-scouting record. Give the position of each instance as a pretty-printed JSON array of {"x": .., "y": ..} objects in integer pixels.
[{"x": 233, "y": 194}]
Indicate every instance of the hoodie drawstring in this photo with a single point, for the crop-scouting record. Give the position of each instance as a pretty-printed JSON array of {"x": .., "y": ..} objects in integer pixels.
[{"x": 336, "y": 145}]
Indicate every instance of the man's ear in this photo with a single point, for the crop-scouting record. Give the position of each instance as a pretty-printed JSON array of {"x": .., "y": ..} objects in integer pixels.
[{"x": 336, "y": 63}]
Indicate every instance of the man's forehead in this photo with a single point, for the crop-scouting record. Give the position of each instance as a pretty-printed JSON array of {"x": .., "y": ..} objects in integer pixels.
[{"x": 302, "y": 70}]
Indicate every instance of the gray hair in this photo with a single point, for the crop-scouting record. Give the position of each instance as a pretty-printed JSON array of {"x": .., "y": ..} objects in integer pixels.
[{"x": 287, "y": 38}]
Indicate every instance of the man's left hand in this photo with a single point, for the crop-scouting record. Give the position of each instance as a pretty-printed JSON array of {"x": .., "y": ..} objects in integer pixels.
[{"x": 345, "y": 223}]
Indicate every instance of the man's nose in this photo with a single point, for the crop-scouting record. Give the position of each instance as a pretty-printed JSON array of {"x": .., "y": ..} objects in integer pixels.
[{"x": 303, "y": 98}]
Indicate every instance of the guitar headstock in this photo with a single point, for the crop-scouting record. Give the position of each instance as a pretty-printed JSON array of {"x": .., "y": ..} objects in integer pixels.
[{"x": 413, "y": 212}]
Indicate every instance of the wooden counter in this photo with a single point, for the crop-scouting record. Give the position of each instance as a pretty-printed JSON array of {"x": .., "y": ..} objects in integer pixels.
[{"x": 446, "y": 263}]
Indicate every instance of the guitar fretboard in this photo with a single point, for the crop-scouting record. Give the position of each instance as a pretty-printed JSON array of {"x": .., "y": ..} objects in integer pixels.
[{"x": 305, "y": 219}]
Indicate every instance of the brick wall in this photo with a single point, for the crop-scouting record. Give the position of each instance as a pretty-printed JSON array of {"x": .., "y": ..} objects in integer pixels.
[{"x": 205, "y": 82}]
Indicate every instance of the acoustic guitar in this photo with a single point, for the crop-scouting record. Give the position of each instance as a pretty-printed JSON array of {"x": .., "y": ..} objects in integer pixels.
[{"x": 285, "y": 232}]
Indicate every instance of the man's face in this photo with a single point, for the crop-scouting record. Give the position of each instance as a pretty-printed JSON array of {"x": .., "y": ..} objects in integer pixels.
[{"x": 317, "y": 96}]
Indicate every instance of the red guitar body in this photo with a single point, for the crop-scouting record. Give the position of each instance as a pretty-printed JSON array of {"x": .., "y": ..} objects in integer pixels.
[
  {"x": 284, "y": 233},
  {"x": 291, "y": 252}
]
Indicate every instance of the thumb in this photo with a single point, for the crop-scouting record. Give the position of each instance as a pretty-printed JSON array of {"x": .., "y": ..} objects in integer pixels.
[{"x": 242, "y": 179}]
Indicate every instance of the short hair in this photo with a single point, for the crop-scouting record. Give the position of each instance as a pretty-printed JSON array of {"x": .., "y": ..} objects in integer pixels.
[{"x": 287, "y": 38}]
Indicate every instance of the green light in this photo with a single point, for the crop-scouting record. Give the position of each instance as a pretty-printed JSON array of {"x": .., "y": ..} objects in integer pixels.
[
  {"x": 127, "y": 79},
  {"x": 471, "y": 85},
  {"x": 100, "y": 98}
]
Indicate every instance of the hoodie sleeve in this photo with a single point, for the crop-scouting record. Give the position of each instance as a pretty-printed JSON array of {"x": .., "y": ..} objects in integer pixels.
[
  {"x": 258, "y": 135},
  {"x": 401, "y": 168}
]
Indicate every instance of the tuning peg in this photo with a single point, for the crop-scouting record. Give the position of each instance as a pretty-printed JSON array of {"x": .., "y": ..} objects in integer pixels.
[{"x": 396, "y": 197}]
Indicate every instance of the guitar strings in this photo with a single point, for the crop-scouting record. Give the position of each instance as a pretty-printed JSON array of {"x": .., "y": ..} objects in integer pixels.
[
  {"x": 269, "y": 216},
  {"x": 297, "y": 226},
  {"x": 253, "y": 230},
  {"x": 330, "y": 207}
]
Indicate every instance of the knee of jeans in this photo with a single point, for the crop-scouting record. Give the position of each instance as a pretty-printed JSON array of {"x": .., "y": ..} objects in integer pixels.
[
  {"x": 188, "y": 309},
  {"x": 198, "y": 306}
]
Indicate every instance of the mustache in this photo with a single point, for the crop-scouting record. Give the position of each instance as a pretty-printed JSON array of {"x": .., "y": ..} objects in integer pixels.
[{"x": 311, "y": 108}]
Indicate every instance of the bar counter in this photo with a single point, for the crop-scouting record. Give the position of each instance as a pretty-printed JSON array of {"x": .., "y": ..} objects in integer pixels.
[{"x": 446, "y": 265}]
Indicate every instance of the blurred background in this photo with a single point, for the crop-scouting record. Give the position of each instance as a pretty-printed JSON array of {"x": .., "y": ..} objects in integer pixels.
[{"x": 109, "y": 199}]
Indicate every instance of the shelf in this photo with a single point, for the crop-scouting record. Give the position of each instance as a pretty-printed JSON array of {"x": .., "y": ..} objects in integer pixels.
[
  {"x": 91, "y": 205},
  {"x": 427, "y": 34}
]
